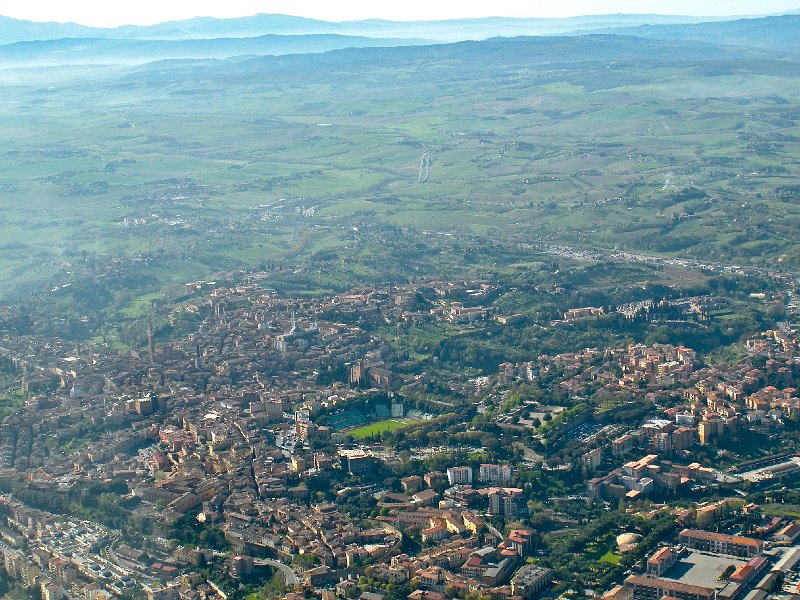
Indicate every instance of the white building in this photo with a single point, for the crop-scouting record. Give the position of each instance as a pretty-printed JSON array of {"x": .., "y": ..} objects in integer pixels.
[
  {"x": 494, "y": 473},
  {"x": 459, "y": 475}
]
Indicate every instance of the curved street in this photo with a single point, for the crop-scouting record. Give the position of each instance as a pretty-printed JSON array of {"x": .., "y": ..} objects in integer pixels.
[{"x": 288, "y": 574}]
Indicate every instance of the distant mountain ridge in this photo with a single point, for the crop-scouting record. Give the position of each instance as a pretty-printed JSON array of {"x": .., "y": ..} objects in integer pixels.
[
  {"x": 444, "y": 31},
  {"x": 770, "y": 33},
  {"x": 15, "y": 30},
  {"x": 466, "y": 58},
  {"x": 28, "y": 44},
  {"x": 111, "y": 51}
]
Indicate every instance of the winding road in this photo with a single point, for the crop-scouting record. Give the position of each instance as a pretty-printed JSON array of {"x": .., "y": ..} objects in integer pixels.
[{"x": 288, "y": 574}]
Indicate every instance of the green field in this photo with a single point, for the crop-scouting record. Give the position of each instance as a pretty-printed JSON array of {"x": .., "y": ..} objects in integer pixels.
[
  {"x": 381, "y": 426},
  {"x": 611, "y": 557},
  {"x": 783, "y": 510}
]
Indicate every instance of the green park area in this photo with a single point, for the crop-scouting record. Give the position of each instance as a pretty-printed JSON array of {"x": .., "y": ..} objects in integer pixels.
[{"x": 381, "y": 426}]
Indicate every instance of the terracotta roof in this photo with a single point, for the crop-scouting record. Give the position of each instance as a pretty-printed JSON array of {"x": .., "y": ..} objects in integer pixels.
[{"x": 721, "y": 537}]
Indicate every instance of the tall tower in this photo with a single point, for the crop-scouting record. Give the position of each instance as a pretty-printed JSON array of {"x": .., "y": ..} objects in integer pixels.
[{"x": 151, "y": 345}]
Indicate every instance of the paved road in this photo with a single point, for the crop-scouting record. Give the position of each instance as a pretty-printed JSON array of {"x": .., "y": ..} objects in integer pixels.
[
  {"x": 494, "y": 531},
  {"x": 288, "y": 574}
]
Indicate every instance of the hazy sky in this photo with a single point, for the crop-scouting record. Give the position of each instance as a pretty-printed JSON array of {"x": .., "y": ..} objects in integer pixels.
[{"x": 118, "y": 12}]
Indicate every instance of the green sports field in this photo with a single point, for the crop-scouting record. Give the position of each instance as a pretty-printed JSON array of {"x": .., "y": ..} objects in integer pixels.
[{"x": 376, "y": 428}]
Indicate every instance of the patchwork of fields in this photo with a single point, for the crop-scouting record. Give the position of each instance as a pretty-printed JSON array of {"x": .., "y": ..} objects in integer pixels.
[{"x": 174, "y": 173}]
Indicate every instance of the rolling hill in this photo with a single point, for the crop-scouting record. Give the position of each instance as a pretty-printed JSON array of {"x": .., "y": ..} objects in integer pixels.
[
  {"x": 781, "y": 33},
  {"x": 173, "y": 170}
]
